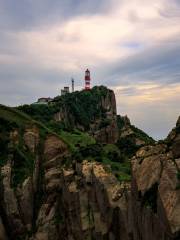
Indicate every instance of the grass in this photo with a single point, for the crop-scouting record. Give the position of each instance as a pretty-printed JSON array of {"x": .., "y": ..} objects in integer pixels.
[
  {"x": 21, "y": 119},
  {"x": 13, "y": 115},
  {"x": 77, "y": 139},
  {"x": 123, "y": 177},
  {"x": 23, "y": 163},
  {"x": 122, "y": 171},
  {"x": 111, "y": 148},
  {"x": 71, "y": 139}
]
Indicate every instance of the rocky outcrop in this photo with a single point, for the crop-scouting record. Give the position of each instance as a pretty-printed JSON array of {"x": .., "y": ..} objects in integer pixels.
[
  {"x": 79, "y": 201},
  {"x": 16, "y": 204},
  {"x": 108, "y": 134},
  {"x": 31, "y": 138},
  {"x": 54, "y": 152},
  {"x": 155, "y": 197},
  {"x": 46, "y": 195},
  {"x": 101, "y": 105},
  {"x": 95, "y": 112},
  {"x": 94, "y": 203},
  {"x": 85, "y": 200},
  {"x": 21, "y": 209},
  {"x": 108, "y": 103},
  {"x": 173, "y": 140},
  {"x": 106, "y": 130},
  {"x": 128, "y": 132}
]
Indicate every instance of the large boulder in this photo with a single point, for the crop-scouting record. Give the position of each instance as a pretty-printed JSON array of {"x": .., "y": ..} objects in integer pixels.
[{"x": 155, "y": 190}]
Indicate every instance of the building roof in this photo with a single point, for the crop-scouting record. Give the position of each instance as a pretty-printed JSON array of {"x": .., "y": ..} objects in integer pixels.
[{"x": 44, "y": 98}]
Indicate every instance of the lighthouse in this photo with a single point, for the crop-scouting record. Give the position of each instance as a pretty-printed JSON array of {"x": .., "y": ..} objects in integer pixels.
[{"x": 87, "y": 80}]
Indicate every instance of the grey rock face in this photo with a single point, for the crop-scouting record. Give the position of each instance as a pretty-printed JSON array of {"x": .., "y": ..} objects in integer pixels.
[
  {"x": 85, "y": 200},
  {"x": 155, "y": 201},
  {"x": 104, "y": 130}
]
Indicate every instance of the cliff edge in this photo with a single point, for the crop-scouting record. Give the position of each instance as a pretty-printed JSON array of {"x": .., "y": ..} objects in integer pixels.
[{"x": 75, "y": 170}]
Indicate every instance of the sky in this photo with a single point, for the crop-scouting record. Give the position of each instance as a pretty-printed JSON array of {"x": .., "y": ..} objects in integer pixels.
[{"x": 133, "y": 47}]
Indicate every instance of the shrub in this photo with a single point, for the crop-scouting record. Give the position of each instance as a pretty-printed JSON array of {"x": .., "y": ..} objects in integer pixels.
[{"x": 127, "y": 146}]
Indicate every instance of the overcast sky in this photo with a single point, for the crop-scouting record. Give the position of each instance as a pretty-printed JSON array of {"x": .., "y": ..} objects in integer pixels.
[{"x": 132, "y": 47}]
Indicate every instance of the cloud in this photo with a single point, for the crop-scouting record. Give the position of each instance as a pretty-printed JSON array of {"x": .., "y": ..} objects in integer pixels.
[
  {"x": 160, "y": 63},
  {"x": 30, "y": 14},
  {"x": 153, "y": 108},
  {"x": 133, "y": 47}
]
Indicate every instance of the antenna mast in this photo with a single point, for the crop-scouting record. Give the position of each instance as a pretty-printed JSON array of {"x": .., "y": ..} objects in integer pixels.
[{"x": 72, "y": 80}]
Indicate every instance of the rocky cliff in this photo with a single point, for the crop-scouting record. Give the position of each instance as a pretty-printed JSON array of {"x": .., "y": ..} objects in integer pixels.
[
  {"x": 49, "y": 192},
  {"x": 85, "y": 200},
  {"x": 50, "y": 198},
  {"x": 57, "y": 201},
  {"x": 156, "y": 190},
  {"x": 93, "y": 111}
]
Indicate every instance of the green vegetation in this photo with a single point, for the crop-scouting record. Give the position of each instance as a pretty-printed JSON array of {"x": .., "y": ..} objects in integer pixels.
[
  {"x": 77, "y": 138},
  {"x": 23, "y": 165},
  {"x": 109, "y": 155},
  {"x": 120, "y": 122},
  {"x": 12, "y": 119},
  {"x": 104, "y": 123},
  {"x": 13, "y": 116},
  {"x": 42, "y": 113},
  {"x": 142, "y": 135},
  {"x": 127, "y": 146},
  {"x": 83, "y": 106},
  {"x": 122, "y": 170},
  {"x": 91, "y": 152},
  {"x": 82, "y": 109},
  {"x": 112, "y": 152},
  {"x": 5, "y": 127}
]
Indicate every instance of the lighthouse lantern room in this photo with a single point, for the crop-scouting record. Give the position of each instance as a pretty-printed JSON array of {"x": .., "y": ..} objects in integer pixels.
[{"x": 87, "y": 80}]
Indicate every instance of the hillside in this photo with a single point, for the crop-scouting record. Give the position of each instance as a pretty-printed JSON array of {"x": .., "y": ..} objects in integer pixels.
[
  {"x": 17, "y": 129},
  {"x": 93, "y": 112},
  {"x": 156, "y": 185},
  {"x": 88, "y": 121},
  {"x": 96, "y": 176}
]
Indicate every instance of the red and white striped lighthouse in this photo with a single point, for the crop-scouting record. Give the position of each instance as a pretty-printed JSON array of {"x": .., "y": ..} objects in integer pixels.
[{"x": 87, "y": 80}]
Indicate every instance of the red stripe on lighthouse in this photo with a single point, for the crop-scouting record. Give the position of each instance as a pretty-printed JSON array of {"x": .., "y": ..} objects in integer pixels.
[{"x": 87, "y": 80}]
